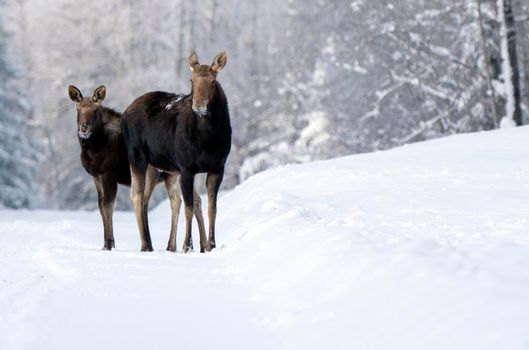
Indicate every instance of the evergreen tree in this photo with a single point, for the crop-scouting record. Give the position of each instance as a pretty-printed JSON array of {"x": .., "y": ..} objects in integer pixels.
[{"x": 19, "y": 153}]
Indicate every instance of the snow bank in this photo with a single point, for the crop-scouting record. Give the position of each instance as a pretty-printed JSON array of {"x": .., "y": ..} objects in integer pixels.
[{"x": 421, "y": 247}]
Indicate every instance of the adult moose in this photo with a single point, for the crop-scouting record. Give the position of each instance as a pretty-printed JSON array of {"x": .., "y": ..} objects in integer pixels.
[
  {"x": 104, "y": 156},
  {"x": 175, "y": 133}
]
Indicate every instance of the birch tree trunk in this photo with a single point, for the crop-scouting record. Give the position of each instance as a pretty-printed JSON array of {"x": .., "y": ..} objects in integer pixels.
[
  {"x": 488, "y": 69},
  {"x": 181, "y": 55},
  {"x": 510, "y": 72},
  {"x": 513, "y": 60}
]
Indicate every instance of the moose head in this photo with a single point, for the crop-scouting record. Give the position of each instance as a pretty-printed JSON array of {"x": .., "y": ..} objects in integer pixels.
[
  {"x": 89, "y": 116},
  {"x": 203, "y": 80}
]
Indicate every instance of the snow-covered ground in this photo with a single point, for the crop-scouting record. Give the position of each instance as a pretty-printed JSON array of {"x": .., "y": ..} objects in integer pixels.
[{"x": 420, "y": 247}]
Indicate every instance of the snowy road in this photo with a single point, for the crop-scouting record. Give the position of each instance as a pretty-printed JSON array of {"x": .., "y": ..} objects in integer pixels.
[
  {"x": 59, "y": 291},
  {"x": 421, "y": 247}
]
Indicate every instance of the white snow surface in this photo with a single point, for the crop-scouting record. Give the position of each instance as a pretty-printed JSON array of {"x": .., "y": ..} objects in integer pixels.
[{"x": 421, "y": 247}]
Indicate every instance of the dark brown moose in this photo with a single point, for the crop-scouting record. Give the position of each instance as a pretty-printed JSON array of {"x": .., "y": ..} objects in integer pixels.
[{"x": 186, "y": 134}]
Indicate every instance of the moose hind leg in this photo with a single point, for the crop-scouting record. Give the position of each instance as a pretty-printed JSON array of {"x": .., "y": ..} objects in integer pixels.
[
  {"x": 173, "y": 192},
  {"x": 213, "y": 182},
  {"x": 137, "y": 196},
  {"x": 151, "y": 179},
  {"x": 106, "y": 194}
]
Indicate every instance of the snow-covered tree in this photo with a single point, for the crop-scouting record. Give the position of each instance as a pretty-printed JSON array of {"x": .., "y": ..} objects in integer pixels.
[
  {"x": 305, "y": 79},
  {"x": 19, "y": 151}
]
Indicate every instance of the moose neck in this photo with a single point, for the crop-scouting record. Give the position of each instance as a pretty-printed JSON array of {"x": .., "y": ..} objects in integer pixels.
[{"x": 219, "y": 101}]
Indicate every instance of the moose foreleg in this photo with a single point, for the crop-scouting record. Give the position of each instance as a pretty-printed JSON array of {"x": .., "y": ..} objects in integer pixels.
[
  {"x": 186, "y": 183},
  {"x": 197, "y": 207},
  {"x": 106, "y": 195},
  {"x": 213, "y": 182}
]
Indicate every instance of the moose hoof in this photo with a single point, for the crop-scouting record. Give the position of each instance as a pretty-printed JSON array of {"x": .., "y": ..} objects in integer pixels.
[
  {"x": 211, "y": 245},
  {"x": 171, "y": 248},
  {"x": 146, "y": 249},
  {"x": 109, "y": 244},
  {"x": 187, "y": 249},
  {"x": 206, "y": 248}
]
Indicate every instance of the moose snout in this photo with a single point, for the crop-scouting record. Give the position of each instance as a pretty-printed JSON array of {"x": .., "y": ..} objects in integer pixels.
[
  {"x": 84, "y": 131},
  {"x": 201, "y": 110}
]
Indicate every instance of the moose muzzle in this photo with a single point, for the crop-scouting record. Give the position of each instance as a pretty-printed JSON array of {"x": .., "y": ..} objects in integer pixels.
[{"x": 84, "y": 131}]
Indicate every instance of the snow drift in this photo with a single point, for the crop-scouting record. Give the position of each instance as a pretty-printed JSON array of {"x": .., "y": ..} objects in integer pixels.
[{"x": 421, "y": 247}]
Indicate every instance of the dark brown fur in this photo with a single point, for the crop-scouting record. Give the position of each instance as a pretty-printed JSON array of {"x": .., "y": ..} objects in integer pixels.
[
  {"x": 103, "y": 152},
  {"x": 184, "y": 134}
]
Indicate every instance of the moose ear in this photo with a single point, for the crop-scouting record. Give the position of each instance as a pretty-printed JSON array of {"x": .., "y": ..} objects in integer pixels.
[
  {"x": 193, "y": 60},
  {"x": 219, "y": 61},
  {"x": 75, "y": 94},
  {"x": 99, "y": 94}
]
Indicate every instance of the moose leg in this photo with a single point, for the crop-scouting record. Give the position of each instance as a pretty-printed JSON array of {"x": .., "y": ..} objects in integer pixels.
[
  {"x": 186, "y": 183},
  {"x": 197, "y": 207},
  {"x": 173, "y": 191},
  {"x": 213, "y": 182},
  {"x": 171, "y": 185},
  {"x": 106, "y": 194},
  {"x": 137, "y": 196},
  {"x": 151, "y": 179}
]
